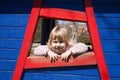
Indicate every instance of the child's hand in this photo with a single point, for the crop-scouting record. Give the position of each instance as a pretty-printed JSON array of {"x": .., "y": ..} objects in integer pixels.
[
  {"x": 53, "y": 56},
  {"x": 66, "y": 55}
]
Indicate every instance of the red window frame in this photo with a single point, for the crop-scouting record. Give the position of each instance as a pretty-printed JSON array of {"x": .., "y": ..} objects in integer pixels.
[{"x": 40, "y": 11}]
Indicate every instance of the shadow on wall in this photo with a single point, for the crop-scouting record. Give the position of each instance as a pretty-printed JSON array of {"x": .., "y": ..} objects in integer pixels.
[{"x": 20, "y": 6}]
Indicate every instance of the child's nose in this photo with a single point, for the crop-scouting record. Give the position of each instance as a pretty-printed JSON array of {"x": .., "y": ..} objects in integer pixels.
[{"x": 58, "y": 44}]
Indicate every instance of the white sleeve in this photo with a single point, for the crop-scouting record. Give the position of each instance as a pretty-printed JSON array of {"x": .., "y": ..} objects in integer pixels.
[
  {"x": 79, "y": 48},
  {"x": 41, "y": 50}
]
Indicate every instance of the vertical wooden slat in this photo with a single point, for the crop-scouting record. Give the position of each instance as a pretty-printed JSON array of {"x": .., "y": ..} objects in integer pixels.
[
  {"x": 92, "y": 25},
  {"x": 27, "y": 40}
]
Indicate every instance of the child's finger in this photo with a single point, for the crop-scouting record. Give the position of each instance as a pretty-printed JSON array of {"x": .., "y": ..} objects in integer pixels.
[
  {"x": 56, "y": 58},
  {"x": 51, "y": 59},
  {"x": 63, "y": 59}
]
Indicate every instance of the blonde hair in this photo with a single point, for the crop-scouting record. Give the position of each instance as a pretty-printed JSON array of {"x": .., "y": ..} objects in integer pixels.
[{"x": 58, "y": 32}]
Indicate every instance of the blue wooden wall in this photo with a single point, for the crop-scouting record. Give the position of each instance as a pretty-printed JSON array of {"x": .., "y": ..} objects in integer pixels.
[
  {"x": 107, "y": 14},
  {"x": 14, "y": 15}
]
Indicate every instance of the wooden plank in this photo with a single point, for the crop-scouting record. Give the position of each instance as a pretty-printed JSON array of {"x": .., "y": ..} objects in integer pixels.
[
  {"x": 112, "y": 58},
  {"x": 10, "y": 43},
  {"x": 9, "y": 54},
  {"x": 62, "y": 14},
  {"x": 107, "y": 34},
  {"x": 108, "y": 22},
  {"x": 108, "y": 15},
  {"x": 42, "y": 62},
  {"x": 114, "y": 71},
  {"x": 27, "y": 42},
  {"x": 46, "y": 76},
  {"x": 40, "y": 76},
  {"x": 12, "y": 32},
  {"x": 81, "y": 70},
  {"x": 7, "y": 65},
  {"x": 95, "y": 39},
  {"x": 17, "y": 20},
  {"x": 4, "y": 73},
  {"x": 111, "y": 45},
  {"x": 91, "y": 70}
]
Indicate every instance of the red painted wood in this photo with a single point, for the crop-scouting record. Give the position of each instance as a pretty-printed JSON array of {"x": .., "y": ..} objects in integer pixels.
[
  {"x": 25, "y": 62},
  {"x": 27, "y": 40},
  {"x": 57, "y": 13},
  {"x": 42, "y": 62},
  {"x": 94, "y": 35}
]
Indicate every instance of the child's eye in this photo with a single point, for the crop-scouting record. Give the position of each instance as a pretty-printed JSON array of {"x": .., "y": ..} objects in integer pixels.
[
  {"x": 61, "y": 41},
  {"x": 55, "y": 41}
]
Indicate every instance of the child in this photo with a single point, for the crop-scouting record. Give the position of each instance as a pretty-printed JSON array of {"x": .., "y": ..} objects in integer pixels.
[{"x": 59, "y": 45}]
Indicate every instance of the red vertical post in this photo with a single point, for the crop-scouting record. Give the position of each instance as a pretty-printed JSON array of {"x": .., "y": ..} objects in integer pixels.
[
  {"x": 92, "y": 25},
  {"x": 34, "y": 16}
]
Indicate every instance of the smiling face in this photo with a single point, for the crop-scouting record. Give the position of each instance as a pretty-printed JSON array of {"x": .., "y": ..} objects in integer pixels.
[
  {"x": 58, "y": 40},
  {"x": 58, "y": 46}
]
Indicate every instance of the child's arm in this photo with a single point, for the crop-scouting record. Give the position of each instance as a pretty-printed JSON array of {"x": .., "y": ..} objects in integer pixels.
[
  {"x": 41, "y": 50},
  {"x": 53, "y": 56},
  {"x": 76, "y": 49},
  {"x": 79, "y": 48}
]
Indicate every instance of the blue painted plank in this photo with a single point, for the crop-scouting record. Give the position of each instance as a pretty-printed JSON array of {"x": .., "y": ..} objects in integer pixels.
[
  {"x": 112, "y": 58},
  {"x": 12, "y": 32},
  {"x": 114, "y": 71},
  {"x": 9, "y": 54},
  {"x": 76, "y": 70},
  {"x": 17, "y": 20},
  {"x": 110, "y": 45},
  {"x": 15, "y": 6},
  {"x": 37, "y": 76},
  {"x": 40, "y": 76},
  {"x": 108, "y": 15},
  {"x": 109, "y": 23},
  {"x": 109, "y": 34},
  {"x": 7, "y": 65},
  {"x": 10, "y": 43},
  {"x": 6, "y": 75}
]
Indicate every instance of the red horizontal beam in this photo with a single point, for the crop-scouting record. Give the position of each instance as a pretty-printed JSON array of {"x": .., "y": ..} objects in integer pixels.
[
  {"x": 65, "y": 14},
  {"x": 42, "y": 62}
]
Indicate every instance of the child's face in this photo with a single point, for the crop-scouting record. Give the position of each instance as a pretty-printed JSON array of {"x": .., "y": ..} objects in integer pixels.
[{"x": 58, "y": 46}]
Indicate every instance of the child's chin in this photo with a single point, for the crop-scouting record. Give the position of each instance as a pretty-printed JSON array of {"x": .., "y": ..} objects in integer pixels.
[{"x": 58, "y": 52}]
